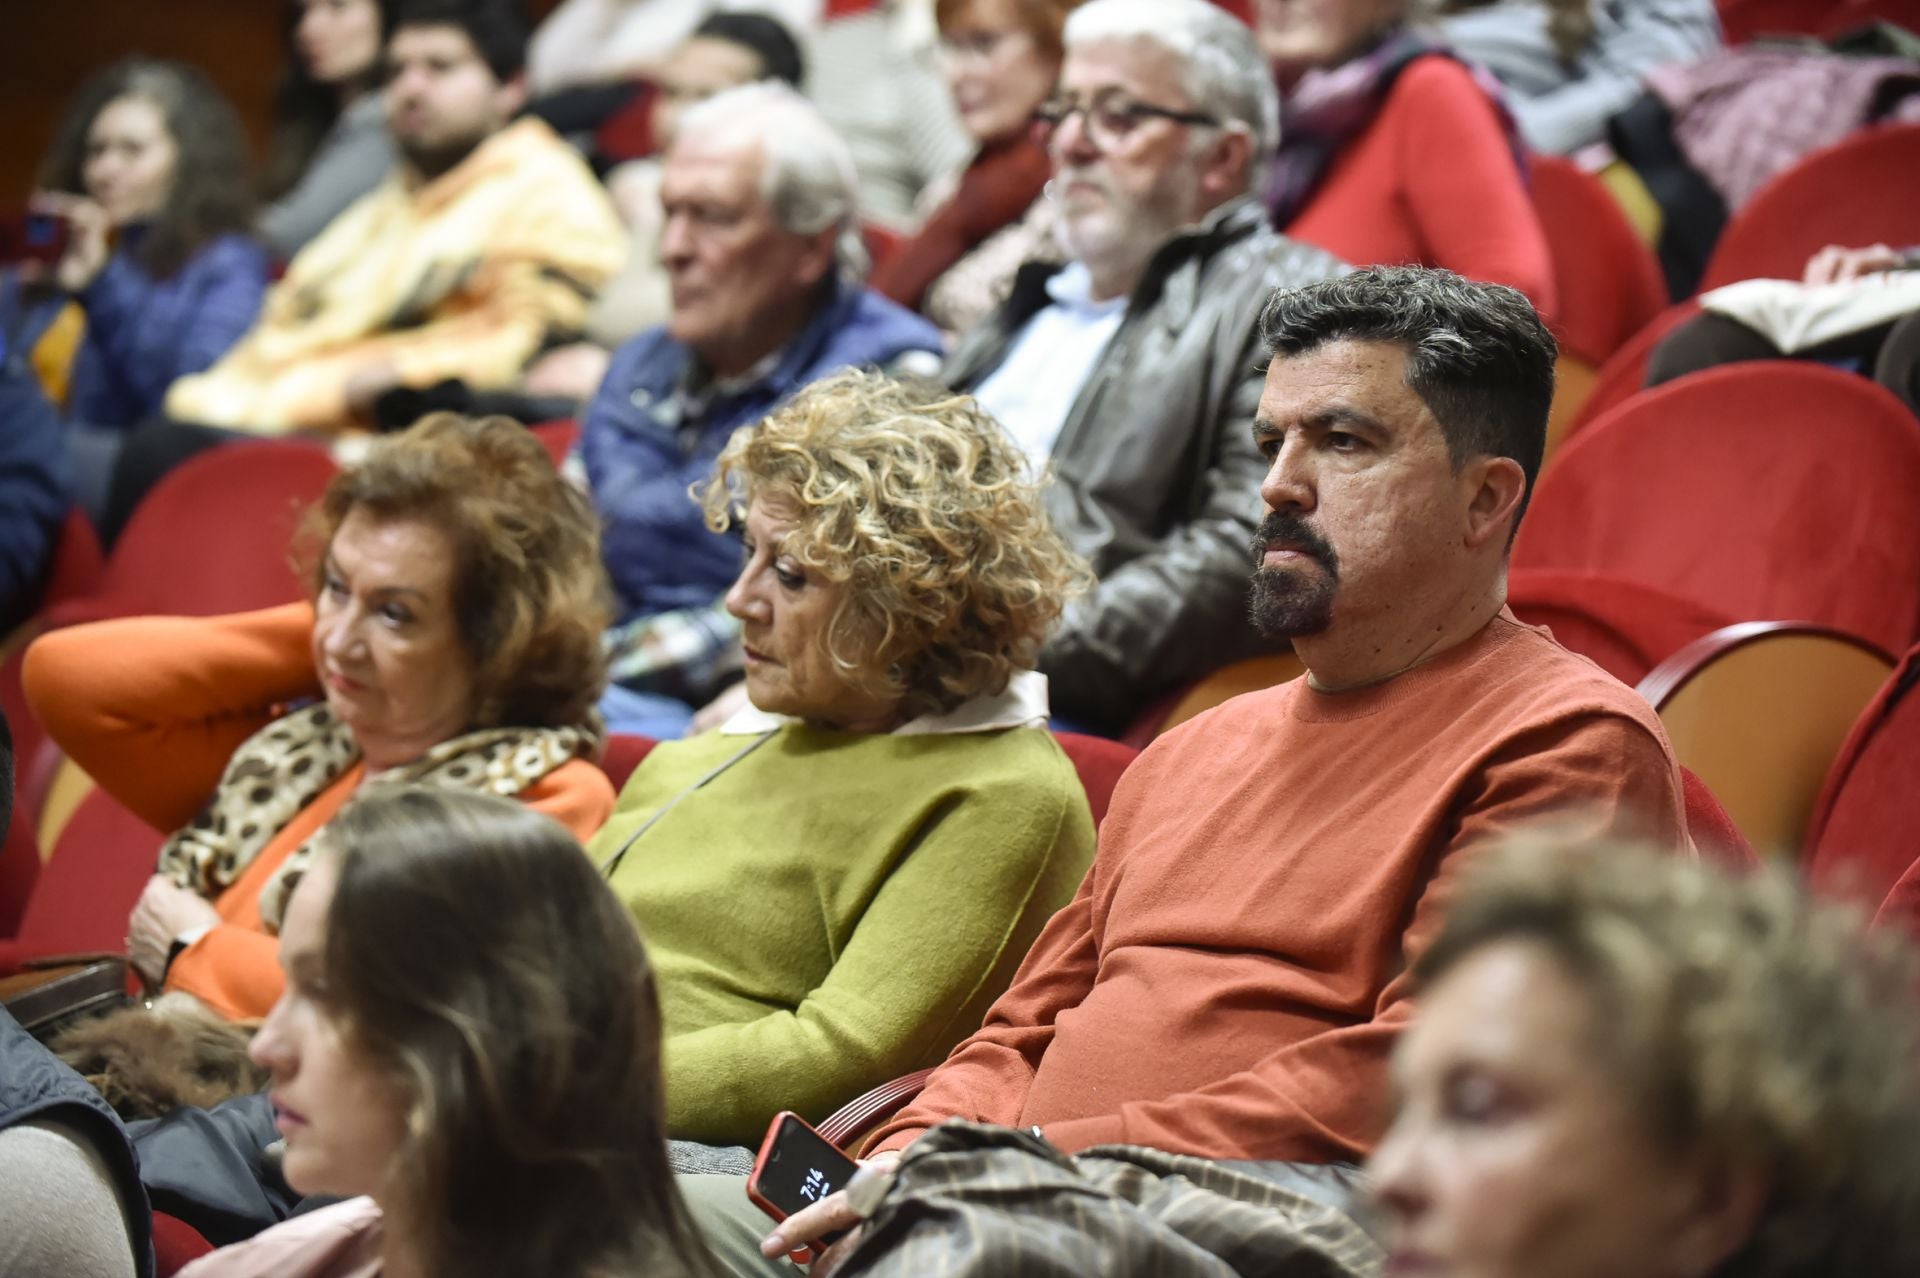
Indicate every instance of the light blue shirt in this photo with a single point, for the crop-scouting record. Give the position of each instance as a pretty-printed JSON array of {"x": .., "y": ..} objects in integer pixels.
[{"x": 1035, "y": 386}]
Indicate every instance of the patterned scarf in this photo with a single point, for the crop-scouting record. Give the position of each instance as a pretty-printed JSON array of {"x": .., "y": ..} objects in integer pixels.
[
  {"x": 287, "y": 764},
  {"x": 1330, "y": 108}
]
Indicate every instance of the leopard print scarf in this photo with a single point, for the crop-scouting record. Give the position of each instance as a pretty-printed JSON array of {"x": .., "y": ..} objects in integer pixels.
[{"x": 287, "y": 764}]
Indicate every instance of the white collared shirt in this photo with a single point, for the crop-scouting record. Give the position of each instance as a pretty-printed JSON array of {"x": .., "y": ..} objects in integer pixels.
[
  {"x": 1022, "y": 705},
  {"x": 1034, "y": 388}
]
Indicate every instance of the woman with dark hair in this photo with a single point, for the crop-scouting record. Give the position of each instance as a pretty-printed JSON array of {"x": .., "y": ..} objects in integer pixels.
[
  {"x": 330, "y": 140},
  {"x": 149, "y": 174},
  {"x": 453, "y": 639},
  {"x": 470, "y": 1038}
]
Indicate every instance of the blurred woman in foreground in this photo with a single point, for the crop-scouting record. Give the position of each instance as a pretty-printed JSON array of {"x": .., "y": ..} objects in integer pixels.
[{"x": 1632, "y": 1065}]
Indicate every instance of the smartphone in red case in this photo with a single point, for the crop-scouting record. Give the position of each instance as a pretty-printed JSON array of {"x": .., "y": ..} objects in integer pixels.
[{"x": 795, "y": 1169}]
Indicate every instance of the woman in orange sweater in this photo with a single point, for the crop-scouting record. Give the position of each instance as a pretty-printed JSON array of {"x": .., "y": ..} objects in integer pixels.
[
  {"x": 1393, "y": 151},
  {"x": 453, "y": 639}
]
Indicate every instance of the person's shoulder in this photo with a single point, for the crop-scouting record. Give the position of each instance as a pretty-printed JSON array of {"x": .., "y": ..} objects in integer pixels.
[
  {"x": 884, "y": 329},
  {"x": 1527, "y": 667},
  {"x": 648, "y": 358}
]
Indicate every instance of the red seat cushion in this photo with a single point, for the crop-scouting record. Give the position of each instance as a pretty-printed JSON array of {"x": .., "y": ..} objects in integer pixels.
[
  {"x": 1099, "y": 763},
  {"x": 1768, "y": 491},
  {"x": 1623, "y": 627}
]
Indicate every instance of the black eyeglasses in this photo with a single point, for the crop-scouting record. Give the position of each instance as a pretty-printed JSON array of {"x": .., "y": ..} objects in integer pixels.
[{"x": 1111, "y": 117}]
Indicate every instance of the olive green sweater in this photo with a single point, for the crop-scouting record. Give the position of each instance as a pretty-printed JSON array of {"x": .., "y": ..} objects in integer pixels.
[{"x": 836, "y": 909}]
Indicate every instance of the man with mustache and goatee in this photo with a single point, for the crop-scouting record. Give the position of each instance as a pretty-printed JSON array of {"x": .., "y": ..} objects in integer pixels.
[
  {"x": 1134, "y": 368},
  {"x": 1229, "y": 981}
]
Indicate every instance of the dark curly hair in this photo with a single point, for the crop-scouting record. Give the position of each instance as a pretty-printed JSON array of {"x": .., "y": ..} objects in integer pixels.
[
  {"x": 528, "y": 587},
  {"x": 211, "y": 193}
]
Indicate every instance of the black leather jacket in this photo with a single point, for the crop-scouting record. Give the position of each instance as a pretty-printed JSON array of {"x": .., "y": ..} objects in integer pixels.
[{"x": 1156, "y": 480}]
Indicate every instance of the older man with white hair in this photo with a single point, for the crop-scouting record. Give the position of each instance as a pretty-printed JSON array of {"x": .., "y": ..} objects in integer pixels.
[
  {"x": 758, "y": 194},
  {"x": 1134, "y": 367}
]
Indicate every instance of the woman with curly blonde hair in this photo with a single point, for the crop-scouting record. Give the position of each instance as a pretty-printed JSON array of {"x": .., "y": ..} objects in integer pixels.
[
  {"x": 1629, "y": 1064},
  {"x": 837, "y": 883},
  {"x": 452, "y": 638}
]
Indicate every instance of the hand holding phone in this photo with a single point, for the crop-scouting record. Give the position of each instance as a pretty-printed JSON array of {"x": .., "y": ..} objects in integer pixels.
[{"x": 796, "y": 1168}]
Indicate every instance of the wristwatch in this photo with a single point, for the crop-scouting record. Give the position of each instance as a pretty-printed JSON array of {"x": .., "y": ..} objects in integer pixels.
[{"x": 181, "y": 944}]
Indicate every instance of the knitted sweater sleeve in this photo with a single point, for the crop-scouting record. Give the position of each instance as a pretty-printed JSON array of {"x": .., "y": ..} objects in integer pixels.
[
  {"x": 153, "y": 707},
  {"x": 939, "y": 938}
]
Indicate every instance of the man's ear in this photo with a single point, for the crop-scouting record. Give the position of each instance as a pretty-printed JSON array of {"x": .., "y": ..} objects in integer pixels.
[
  {"x": 1227, "y": 170},
  {"x": 511, "y": 97},
  {"x": 1497, "y": 485},
  {"x": 822, "y": 256}
]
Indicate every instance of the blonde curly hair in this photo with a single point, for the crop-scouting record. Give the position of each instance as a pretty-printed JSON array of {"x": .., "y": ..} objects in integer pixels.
[
  {"x": 1751, "y": 1024},
  {"x": 915, "y": 498}
]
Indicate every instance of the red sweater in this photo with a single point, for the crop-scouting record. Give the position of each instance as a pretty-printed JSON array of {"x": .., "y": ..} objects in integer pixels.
[
  {"x": 1432, "y": 181},
  {"x": 1231, "y": 976}
]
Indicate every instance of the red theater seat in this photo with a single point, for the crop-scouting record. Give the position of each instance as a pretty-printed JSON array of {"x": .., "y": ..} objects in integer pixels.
[
  {"x": 1865, "y": 831},
  {"x": 1770, "y": 490}
]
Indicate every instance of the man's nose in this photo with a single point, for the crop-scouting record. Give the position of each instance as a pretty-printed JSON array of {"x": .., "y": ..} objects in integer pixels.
[{"x": 1289, "y": 481}]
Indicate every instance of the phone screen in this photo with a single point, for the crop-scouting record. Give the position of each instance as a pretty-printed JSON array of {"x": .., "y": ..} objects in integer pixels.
[
  {"x": 798, "y": 1167},
  {"x": 39, "y": 237}
]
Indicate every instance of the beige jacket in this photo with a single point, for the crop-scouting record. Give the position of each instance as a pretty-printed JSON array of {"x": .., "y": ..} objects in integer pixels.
[{"x": 467, "y": 276}]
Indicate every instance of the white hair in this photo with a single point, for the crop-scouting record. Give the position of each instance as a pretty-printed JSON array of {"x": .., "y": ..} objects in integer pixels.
[
  {"x": 806, "y": 173},
  {"x": 1221, "y": 67}
]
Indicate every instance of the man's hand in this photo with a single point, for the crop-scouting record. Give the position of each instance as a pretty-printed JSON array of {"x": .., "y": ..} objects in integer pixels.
[
  {"x": 165, "y": 911},
  {"x": 1836, "y": 263},
  {"x": 836, "y": 1211}
]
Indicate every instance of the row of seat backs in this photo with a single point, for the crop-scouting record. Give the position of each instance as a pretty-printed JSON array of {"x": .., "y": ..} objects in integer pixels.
[{"x": 1614, "y": 303}]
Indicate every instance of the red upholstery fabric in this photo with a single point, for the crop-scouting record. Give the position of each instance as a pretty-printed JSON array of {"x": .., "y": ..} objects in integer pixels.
[
  {"x": 90, "y": 883},
  {"x": 213, "y": 537},
  {"x": 78, "y": 561},
  {"x": 1865, "y": 830},
  {"x": 1744, "y": 20},
  {"x": 1624, "y": 375},
  {"x": 1099, "y": 763},
  {"x": 19, "y": 869},
  {"x": 1623, "y": 627},
  {"x": 175, "y": 1244},
  {"x": 1901, "y": 909},
  {"x": 1764, "y": 491},
  {"x": 627, "y": 134},
  {"x": 557, "y": 437},
  {"x": 1712, "y": 830},
  {"x": 625, "y": 750},
  {"x": 1861, "y": 191},
  {"x": 1610, "y": 286}
]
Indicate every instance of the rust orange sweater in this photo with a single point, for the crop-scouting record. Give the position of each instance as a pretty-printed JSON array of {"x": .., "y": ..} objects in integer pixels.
[
  {"x": 153, "y": 707},
  {"x": 1432, "y": 182},
  {"x": 1230, "y": 978}
]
